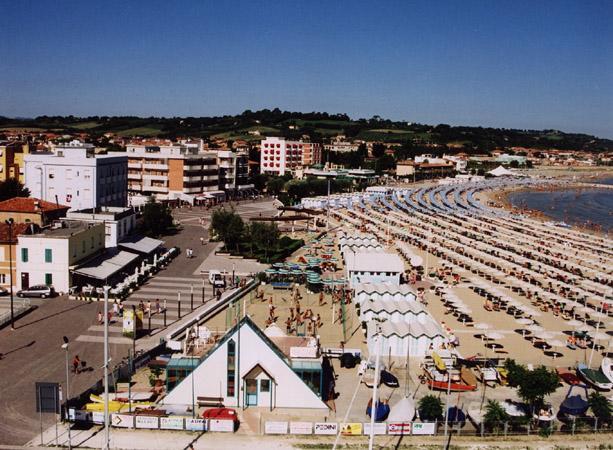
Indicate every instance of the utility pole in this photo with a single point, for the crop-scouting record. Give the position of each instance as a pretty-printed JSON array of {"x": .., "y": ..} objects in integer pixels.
[
  {"x": 106, "y": 369},
  {"x": 9, "y": 222}
]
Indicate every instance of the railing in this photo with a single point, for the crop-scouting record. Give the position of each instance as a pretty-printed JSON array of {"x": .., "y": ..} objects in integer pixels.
[{"x": 19, "y": 306}]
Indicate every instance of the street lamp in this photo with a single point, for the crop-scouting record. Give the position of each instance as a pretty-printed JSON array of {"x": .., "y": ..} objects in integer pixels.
[
  {"x": 10, "y": 222},
  {"x": 65, "y": 347}
]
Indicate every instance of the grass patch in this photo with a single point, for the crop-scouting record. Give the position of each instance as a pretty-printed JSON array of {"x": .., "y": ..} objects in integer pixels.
[
  {"x": 140, "y": 131},
  {"x": 84, "y": 125}
]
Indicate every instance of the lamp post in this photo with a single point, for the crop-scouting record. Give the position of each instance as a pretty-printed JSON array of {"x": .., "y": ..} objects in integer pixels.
[
  {"x": 106, "y": 368},
  {"x": 65, "y": 347},
  {"x": 9, "y": 222}
]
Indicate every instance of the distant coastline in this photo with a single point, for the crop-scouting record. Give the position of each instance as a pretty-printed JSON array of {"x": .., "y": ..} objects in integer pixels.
[{"x": 573, "y": 201}]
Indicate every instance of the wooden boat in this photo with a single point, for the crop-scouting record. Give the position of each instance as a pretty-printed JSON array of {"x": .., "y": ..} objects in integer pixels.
[
  {"x": 545, "y": 414},
  {"x": 607, "y": 368},
  {"x": 594, "y": 377},
  {"x": 439, "y": 381},
  {"x": 389, "y": 380},
  {"x": 382, "y": 410},
  {"x": 568, "y": 377}
]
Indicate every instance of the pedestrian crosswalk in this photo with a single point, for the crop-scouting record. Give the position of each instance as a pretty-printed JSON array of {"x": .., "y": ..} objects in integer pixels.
[{"x": 176, "y": 295}]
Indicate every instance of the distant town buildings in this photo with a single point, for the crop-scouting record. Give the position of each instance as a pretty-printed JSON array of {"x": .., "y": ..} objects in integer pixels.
[
  {"x": 11, "y": 160},
  {"x": 72, "y": 174},
  {"x": 31, "y": 210}
]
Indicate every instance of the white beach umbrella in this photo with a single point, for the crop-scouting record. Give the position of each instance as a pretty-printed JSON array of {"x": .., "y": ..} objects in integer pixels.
[
  {"x": 493, "y": 335},
  {"x": 574, "y": 323},
  {"x": 482, "y": 326},
  {"x": 599, "y": 336},
  {"x": 544, "y": 335},
  {"x": 534, "y": 328},
  {"x": 524, "y": 321}
]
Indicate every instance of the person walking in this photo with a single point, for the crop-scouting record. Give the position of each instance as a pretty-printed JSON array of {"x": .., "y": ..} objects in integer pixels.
[
  {"x": 100, "y": 318},
  {"x": 76, "y": 364},
  {"x": 201, "y": 240},
  {"x": 148, "y": 308},
  {"x": 158, "y": 308}
]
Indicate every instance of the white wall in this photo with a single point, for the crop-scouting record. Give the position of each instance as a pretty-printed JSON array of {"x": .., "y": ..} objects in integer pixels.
[
  {"x": 211, "y": 376},
  {"x": 36, "y": 266}
]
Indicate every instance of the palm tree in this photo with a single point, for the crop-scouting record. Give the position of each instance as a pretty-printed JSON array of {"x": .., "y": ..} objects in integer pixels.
[
  {"x": 430, "y": 408},
  {"x": 495, "y": 415}
]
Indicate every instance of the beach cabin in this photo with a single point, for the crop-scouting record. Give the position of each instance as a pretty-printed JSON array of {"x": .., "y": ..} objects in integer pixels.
[
  {"x": 247, "y": 369},
  {"x": 401, "y": 338},
  {"x": 382, "y": 291},
  {"x": 373, "y": 267}
]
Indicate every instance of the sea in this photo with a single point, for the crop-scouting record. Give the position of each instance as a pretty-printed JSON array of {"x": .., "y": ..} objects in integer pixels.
[{"x": 586, "y": 206}]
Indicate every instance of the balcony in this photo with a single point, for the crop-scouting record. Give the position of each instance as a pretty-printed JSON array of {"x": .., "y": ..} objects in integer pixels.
[
  {"x": 155, "y": 188},
  {"x": 155, "y": 177},
  {"x": 134, "y": 165},
  {"x": 150, "y": 166},
  {"x": 134, "y": 176}
]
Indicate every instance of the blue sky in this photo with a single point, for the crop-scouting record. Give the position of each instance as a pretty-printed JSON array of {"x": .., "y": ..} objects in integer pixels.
[{"x": 521, "y": 64}]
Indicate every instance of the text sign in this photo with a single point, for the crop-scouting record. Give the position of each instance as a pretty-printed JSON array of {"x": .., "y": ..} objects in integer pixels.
[
  {"x": 424, "y": 428},
  {"x": 351, "y": 429},
  {"x": 326, "y": 428},
  {"x": 379, "y": 428},
  {"x": 195, "y": 424},
  {"x": 399, "y": 428},
  {"x": 98, "y": 417},
  {"x": 122, "y": 420},
  {"x": 300, "y": 428},
  {"x": 47, "y": 397},
  {"x": 148, "y": 422},
  {"x": 223, "y": 425},
  {"x": 275, "y": 427},
  {"x": 171, "y": 423}
]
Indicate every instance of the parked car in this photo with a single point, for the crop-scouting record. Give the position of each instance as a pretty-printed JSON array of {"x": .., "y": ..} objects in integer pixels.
[
  {"x": 3, "y": 291},
  {"x": 40, "y": 290}
]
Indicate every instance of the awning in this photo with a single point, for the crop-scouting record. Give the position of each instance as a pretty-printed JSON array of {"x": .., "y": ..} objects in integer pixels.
[
  {"x": 106, "y": 265},
  {"x": 141, "y": 244}
]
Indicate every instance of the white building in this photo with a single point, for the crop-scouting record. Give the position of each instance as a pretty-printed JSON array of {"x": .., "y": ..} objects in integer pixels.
[
  {"x": 47, "y": 258},
  {"x": 279, "y": 155},
  {"x": 118, "y": 222},
  {"x": 373, "y": 267},
  {"x": 405, "y": 338},
  {"x": 246, "y": 369},
  {"x": 74, "y": 175},
  {"x": 341, "y": 147}
]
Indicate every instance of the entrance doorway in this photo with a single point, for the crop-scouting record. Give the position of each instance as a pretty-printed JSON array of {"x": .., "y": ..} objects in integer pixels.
[
  {"x": 252, "y": 392},
  {"x": 25, "y": 280}
]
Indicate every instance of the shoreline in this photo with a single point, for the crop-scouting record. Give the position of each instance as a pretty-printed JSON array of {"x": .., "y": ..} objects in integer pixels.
[{"x": 501, "y": 199}]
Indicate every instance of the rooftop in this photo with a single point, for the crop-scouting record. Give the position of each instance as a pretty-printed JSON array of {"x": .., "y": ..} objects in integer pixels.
[
  {"x": 18, "y": 228},
  {"x": 65, "y": 228},
  {"x": 29, "y": 205},
  {"x": 374, "y": 262}
]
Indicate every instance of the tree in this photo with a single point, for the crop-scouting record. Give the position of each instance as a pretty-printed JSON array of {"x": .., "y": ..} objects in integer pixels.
[
  {"x": 536, "y": 384},
  {"x": 378, "y": 149},
  {"x": 514, "y": 164},
  {"x": 264, "y": 236},
  {"x": 157, "y": 218},
  {"x": 515, "y": 372},
  {"x": 11, "y": 188},
  {"x": 495, "y": 415},
  {"x": 275, "y": 185},
  {"x": 601, "y": 407},
  {"x": 384, "y": 163},
  {"x": 228, "y": 226},
  {"x": 430, "y": 408}
]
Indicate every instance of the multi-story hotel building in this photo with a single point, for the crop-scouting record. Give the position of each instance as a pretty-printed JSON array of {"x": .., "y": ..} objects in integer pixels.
[
  {"x": 279, "y": 155},
  {"x": 171, "y": 171},
  {"x": 233, "y": 172},
  {"x": 73, "y": 175}
]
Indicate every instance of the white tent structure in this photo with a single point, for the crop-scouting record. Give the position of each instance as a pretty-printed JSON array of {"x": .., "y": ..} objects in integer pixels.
[
  {"x": 501, "y": 172},
  {"x": 406, "y": 338},
  {"x": 383, "y": 291}
]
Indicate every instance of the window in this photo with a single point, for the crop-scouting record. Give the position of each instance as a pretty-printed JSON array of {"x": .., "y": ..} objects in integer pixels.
[
  {"x": 2, "y": 278},
  {"x": 264, "y": 385},
  {"x": 48, "y": 279},
  {"x": 48, "y": 255},
  {"x": 84, "y": 244},
  {"x": 231, "y": 388},
  {"x": 24, "y": 255}
]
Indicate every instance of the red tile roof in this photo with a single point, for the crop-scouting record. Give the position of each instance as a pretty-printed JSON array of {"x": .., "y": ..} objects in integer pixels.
[
  {"x": 18, "y": 228},
  {"x": 28, "y": 205}
]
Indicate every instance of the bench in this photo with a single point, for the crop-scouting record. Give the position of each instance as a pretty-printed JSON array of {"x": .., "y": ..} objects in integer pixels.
[{"x": 214, "y": 402}]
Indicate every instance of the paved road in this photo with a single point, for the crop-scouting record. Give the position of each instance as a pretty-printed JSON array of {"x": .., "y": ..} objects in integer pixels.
[{"x": 32, "y": 352}]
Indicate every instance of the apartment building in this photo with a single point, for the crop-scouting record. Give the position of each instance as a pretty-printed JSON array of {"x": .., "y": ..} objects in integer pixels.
[
  {"x": 11, "y": 160},
  {"x": 341, "y": 147},
  {"x": 171, "y": 171},
  {"x": 118, "y": 222},
  {"x": 233, "y": 173},
  {"x": 73, "y": 175},
  {"x": 279, "y": 155}
]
